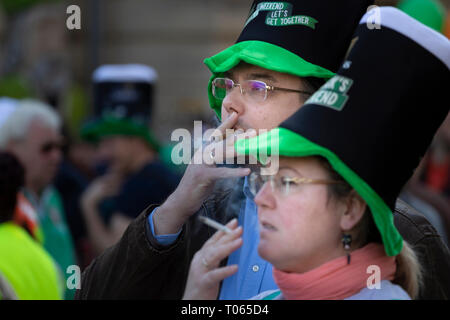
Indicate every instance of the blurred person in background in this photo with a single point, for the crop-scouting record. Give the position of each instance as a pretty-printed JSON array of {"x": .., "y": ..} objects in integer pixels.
[
  {"x": 31, "y": 133},
  {"x": 27, "y": 271},
  {"x": 134, "y": 174},
  {"x": 429, "y": 188},
  {"x": 25, "y": 214},
  {"x": 37, "y": 60},
  {"x": 76, "y": 171}
]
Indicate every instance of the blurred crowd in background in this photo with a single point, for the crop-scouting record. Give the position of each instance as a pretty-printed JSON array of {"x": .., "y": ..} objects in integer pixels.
[{"x": 71, "y": 182}]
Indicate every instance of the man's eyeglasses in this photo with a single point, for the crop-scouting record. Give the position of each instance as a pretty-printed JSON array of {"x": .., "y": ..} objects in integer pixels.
[
  {"x": 282, "y": 184},
  {"x": 255, "y": 89}
]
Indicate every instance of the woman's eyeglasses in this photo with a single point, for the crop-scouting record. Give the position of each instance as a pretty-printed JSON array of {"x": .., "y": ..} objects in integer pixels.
[
  {"x": 283, "y": 184},
  {"x": 254, "y": 89}
]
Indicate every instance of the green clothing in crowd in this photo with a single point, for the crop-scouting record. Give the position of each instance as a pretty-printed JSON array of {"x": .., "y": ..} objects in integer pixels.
[{"x": 57, "y": 238}]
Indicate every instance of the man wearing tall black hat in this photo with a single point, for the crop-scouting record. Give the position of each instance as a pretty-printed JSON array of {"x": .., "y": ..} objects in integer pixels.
[
  {"x": 285, "y": 51},
  {"x": 123, "y": 100}
]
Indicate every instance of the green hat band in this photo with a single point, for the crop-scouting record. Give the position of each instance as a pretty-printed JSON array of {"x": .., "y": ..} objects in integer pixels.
[
  {"x": 261, "y": 54},
  {"x": 110, "y": 126},
  {"x": 291, "y": 144}
]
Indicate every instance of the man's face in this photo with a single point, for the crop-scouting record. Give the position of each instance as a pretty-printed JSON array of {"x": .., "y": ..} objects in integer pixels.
[
  {"x": 40, "y": 153},
  {"x": 268, "y": 114},
  {"x": 117, "y": 151}
]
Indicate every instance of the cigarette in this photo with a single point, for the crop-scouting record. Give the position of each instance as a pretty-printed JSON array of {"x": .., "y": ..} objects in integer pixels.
[{"x": 214, "y": 224}]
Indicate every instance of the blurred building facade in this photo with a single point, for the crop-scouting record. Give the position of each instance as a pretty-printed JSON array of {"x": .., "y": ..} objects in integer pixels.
[{"x": 174, "y": 36}]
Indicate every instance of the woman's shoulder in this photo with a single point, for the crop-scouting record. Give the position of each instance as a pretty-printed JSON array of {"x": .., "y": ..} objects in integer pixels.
[{"x": 385, "y": 291}]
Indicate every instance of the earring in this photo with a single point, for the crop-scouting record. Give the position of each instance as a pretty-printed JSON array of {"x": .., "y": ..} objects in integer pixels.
[{"x": 347, "y": 241}]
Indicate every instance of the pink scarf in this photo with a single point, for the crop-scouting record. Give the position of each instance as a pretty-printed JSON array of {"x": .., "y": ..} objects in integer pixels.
[{"x": 336, "y": 280}]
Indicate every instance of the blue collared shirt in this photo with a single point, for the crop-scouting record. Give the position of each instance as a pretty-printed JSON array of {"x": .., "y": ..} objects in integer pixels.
[{"x": 254, "y": 274}]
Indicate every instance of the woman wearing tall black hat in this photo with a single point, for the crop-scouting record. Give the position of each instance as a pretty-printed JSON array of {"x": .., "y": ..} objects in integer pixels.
[{"x": 325, "y": 217}]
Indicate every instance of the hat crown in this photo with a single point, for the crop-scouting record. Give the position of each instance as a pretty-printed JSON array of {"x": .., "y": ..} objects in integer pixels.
[
  {"x": 125, "y": 73},
  {"x": 297, "y": 37},
  {"x": 383, "y": 107},
  {"x": 124, "y": 91},
  {"x": 305, "y": 28}
]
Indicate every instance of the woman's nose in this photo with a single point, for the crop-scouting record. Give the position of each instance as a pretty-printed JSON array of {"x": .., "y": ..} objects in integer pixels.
[{"x": 265, "y": 197}]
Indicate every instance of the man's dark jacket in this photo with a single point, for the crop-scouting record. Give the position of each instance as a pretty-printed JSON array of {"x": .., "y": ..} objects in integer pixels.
[{"x": 137, "y": 267}]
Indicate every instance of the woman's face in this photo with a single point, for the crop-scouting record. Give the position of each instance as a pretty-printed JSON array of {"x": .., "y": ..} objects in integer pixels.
[{"x": 299, "y": 230}]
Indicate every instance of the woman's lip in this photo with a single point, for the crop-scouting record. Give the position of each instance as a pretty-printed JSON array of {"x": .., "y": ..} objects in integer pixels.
[{"x": 267, "y": 226}]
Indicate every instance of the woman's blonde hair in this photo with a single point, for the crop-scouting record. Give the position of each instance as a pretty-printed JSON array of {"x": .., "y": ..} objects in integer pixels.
[
  {"x": 408, "y": 274},
  {"x": 409, "y": 271}
]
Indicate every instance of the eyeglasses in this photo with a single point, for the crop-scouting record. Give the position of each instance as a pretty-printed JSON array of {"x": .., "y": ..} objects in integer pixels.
[
  {"x": 50, "y": 146},
  {"x": 282, "y": 184},
  {"x": 255, "y": 89}
]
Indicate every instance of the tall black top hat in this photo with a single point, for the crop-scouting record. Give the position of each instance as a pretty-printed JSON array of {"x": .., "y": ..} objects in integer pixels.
[
  {"x": 300, "y": 37},
  {"x": 376, "y": 117},
  {"x": 123, "y": 101}
]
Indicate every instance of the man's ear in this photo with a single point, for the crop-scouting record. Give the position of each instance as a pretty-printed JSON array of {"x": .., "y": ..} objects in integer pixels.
[{"x": 354, "y": 211}]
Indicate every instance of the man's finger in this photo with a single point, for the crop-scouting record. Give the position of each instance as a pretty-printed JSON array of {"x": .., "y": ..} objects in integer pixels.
[
  {"x": 228, "y": 123},
  {"x": 223, "y": 172},
  {"x": 250, "y": 133},
  {"x": 219, "y": 151}
]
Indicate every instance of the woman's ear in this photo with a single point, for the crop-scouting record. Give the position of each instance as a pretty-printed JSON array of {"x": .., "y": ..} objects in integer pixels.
[{"x": 353, "y": 212}]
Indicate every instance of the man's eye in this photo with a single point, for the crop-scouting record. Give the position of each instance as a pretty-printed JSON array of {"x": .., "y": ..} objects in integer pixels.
[
  {"x": 257, "y": 89},
  {"x": 256, "y": 86}
]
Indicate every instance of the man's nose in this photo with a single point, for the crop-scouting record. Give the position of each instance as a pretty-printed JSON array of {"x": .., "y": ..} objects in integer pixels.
[
  {"x": 56, "y": 155},
  {"x": 234, "y": 101}
]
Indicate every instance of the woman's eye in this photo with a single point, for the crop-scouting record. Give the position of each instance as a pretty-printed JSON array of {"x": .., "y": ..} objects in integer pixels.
[{"x": 287, "y": 181}]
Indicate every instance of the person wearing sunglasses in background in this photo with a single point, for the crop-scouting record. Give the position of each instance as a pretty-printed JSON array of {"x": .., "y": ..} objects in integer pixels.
[
  {"x": 325, "y": 217},
  {"x": 32, "y": 134}
]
